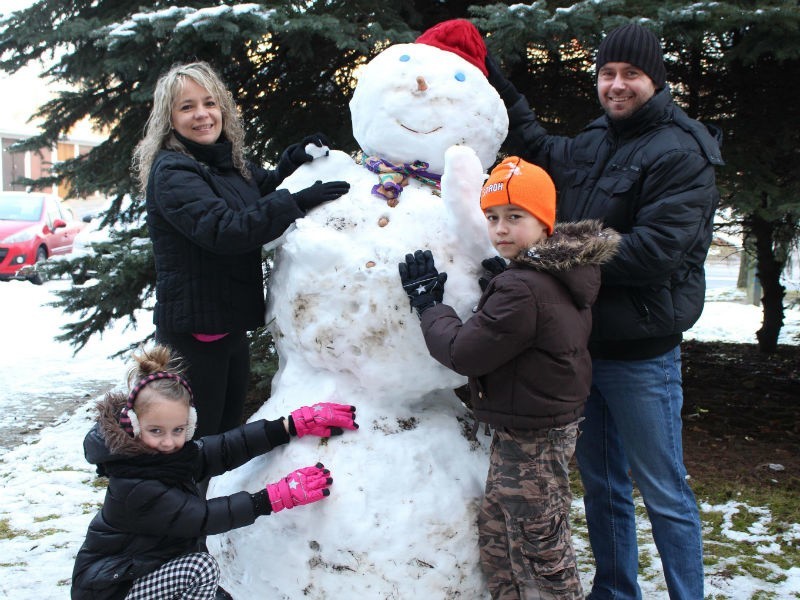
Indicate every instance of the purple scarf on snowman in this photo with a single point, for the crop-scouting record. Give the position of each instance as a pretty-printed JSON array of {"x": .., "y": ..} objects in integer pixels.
[{"x": 393, "y": 178}]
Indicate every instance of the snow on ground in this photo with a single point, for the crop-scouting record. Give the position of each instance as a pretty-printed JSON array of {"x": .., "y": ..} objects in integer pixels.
[{"x": 48, "y": 493}]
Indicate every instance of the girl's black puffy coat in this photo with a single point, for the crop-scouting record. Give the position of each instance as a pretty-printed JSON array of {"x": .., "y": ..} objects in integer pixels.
[
  {"x": 145, "y": 522},
  {"x": 208, "y": 225}
]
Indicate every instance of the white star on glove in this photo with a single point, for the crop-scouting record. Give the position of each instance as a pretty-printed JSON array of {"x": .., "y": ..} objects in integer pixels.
[
  {"x": 293, "y": 483},
  {"x": 420, "y": 290}
]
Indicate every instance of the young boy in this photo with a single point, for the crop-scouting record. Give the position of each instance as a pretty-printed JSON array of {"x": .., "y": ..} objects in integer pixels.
[{"x": 525, "y": 354}]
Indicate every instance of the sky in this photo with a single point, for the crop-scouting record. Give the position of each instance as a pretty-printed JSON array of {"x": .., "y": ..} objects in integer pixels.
[{"x": 15, "y": 115}]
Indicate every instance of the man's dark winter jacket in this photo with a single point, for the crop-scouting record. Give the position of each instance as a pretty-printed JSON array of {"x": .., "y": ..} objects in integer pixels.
[
  {"x": 525, "y": 348},
  {"x": 208, "y": 224},
  {"x": 651, "y": 178},
  {"x": 144, "y": 521}
]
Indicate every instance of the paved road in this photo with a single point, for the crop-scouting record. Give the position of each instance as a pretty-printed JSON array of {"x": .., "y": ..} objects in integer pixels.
[{"x": 41, "y": 381}]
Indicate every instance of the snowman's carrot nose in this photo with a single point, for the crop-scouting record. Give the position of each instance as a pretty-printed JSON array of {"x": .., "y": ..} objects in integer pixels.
[{"x": 422, "y": 85}]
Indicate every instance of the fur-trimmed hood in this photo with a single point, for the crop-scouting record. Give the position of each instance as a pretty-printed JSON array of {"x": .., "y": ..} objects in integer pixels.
[
  {"x": 572, "y": 250},
  {"x": 107, "y": 441}
]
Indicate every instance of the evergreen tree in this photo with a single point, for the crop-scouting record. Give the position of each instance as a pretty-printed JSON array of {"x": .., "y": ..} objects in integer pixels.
[
  {"x": 748, "y": 56},
  {"x": 730, "y": 64},
  {"x": 290, "y": 67},
  {"x": 733, "y": 64}
]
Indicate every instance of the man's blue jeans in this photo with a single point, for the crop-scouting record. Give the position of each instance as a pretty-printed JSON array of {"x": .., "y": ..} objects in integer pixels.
[{"x": 633, "y": 423}]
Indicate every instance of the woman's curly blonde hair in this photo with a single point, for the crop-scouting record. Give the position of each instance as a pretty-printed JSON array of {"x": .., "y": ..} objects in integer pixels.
[{"x": 158, "y": 132}]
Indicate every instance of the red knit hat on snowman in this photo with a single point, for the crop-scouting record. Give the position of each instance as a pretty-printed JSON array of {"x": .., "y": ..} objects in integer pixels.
[{"x": 458, "y": 36}]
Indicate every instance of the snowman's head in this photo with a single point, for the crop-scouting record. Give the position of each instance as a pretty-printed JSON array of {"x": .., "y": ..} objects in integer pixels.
[{"x": 414, "y": 101}]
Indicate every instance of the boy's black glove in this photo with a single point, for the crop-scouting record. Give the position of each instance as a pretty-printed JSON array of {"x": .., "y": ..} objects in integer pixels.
[
  {"x": 504, "y": 87},
  {"x": 296, "y": 155},
  {"x": 492, "y": 266},
  {"x": 423, "y": 284},
  {"x": 320, "y": 192}
]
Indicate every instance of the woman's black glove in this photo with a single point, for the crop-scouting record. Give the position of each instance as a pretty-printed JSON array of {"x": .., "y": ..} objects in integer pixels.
[
  {"x": 504, "y": 87},
  {"x": 296, "y": 155},
  {"x": 423, "y": 284},
  {"x": 320, "y": 192},
  {"x": 492, "y": 266}
]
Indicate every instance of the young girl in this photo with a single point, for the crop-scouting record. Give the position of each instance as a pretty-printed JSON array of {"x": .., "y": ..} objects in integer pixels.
[
  {"x": 525, "y": 351},
  {"x": 209, "y": 212},
  {"x": 143, "y": 543}
]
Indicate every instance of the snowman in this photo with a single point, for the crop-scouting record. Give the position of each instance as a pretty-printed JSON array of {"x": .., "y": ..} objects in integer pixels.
[{"x": 401, "y": 521}]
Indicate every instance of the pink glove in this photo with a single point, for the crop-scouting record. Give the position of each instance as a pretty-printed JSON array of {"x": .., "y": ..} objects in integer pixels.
[
  {"x": 323, "y": 419},
  {"x": 302, "y": 486}
]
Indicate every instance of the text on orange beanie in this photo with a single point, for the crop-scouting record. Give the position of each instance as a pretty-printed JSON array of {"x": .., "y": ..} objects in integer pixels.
[{"x": 515, "y": 181}]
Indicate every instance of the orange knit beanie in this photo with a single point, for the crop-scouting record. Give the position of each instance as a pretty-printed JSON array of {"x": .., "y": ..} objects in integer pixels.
[{"x": 515, "y": 181}]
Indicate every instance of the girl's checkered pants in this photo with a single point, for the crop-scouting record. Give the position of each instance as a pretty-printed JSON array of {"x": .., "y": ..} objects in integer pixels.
[{"x": 189, "y": 577}]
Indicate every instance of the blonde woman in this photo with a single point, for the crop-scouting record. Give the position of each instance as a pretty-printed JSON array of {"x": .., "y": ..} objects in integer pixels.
[{"x": 209, "y": 211}]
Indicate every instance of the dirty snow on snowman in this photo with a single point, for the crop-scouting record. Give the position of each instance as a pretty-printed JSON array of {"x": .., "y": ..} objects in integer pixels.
[{"x": 402, "y": 518}]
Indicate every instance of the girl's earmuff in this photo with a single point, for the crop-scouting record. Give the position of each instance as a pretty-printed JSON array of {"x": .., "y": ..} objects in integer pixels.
[{"x": 130, "y": 422}]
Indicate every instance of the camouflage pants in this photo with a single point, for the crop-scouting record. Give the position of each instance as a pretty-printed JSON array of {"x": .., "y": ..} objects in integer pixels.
[{"x": 523, "y": 526}]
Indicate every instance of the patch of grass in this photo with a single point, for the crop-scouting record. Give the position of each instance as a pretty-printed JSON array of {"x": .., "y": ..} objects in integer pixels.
[
  {"x": 9, "y": 533},
  {"x": 43, "y": 533},
  {"x": 41, "y": 469},
  {"x": 748, "y": 531},
  {"x": 6, "y": 532},
  {"x": 90, "y": 507},
  {"x": 100, "y": 482},
  {"x": 45, "y": 518},
  {"x": 645, "y": 560},
  {"x": 731, "y": 543}
]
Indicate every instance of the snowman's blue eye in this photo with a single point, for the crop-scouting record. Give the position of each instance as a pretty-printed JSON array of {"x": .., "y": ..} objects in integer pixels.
[
  {"x": 405, "y": 58},
  {"x": 460, "y": 76}
]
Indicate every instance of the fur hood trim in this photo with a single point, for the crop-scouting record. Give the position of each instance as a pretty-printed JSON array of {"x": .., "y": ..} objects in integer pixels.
[
  {"x": 572, "y": 245},
  {"x": 116, "y": 439}
]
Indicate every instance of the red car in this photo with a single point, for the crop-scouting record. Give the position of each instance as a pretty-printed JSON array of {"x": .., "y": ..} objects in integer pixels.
[{"x": 33, "y": 227}]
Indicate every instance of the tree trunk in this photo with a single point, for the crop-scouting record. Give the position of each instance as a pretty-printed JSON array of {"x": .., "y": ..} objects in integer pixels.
[
  {"x": 769, "y": 271},
  {"x": 744, "y": 267}
]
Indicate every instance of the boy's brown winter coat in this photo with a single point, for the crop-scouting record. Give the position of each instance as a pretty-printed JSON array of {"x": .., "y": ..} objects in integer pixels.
[{"x": 525, "y": 348}]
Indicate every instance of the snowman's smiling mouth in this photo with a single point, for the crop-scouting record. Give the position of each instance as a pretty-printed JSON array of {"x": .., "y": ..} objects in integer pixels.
[{"x": 420, "y": 132}]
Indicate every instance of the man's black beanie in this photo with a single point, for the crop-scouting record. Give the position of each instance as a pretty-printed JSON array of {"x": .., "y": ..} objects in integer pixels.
[{"x": 636, "y": 45}]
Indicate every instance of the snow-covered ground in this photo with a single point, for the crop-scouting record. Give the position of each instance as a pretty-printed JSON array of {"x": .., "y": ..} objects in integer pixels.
[{"x": 48, "y": 493}]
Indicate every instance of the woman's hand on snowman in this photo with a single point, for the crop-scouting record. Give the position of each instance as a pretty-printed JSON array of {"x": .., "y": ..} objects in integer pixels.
[
  {"x": 299, "y": 487},
  {"x": 423, "y": 284},
  {"x": 318, "y": 193},
  {"x": 323, "y": 419},
  {"x": 306, "y": 150}
]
